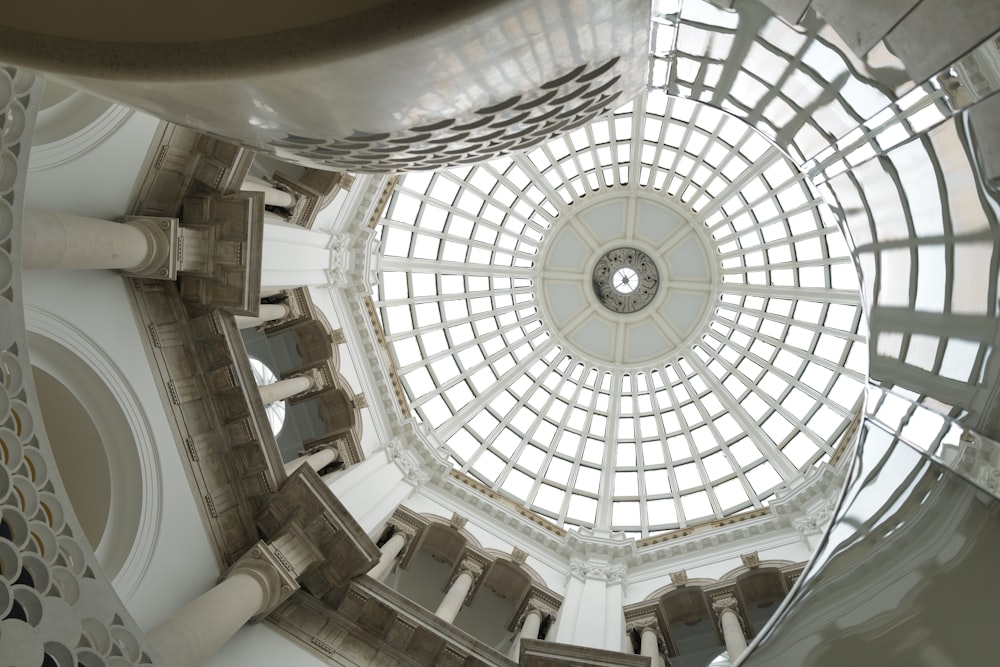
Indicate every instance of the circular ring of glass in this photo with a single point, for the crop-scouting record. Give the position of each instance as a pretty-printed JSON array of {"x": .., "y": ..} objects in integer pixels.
[{"x": 625, "y": 280}]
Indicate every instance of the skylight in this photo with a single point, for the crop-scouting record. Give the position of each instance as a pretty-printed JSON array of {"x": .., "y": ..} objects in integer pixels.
[{"x": 741, "y": 373}]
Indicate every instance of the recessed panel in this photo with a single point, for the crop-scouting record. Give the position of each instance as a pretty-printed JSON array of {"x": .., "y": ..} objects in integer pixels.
[
  {"x": 569, "y": 252},
  {"x": 655, "y": 224},
  {"x": 565, "y": 301},
  {"x": 644, "y": 341},
  {"x": 684, "y": 311},
  {"x": 595, "y": 336},
  {"x": 688, "y": 262},
  {"x": 606, "y": 221}
]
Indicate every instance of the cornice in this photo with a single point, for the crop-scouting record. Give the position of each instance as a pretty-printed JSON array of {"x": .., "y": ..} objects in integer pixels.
[{"x": 426, "y": 465}]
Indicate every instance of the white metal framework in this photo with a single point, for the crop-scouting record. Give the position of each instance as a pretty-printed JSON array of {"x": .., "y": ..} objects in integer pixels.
[{"x": 750, "y": 364}]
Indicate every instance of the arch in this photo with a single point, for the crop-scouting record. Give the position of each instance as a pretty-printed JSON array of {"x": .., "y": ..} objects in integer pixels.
[{"x": 80, "y": 366}]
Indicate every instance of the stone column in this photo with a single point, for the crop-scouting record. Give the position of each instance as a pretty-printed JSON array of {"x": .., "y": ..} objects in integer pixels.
[
  {"x": 255, "y": 585},
  {"x": 529, "y": 630},
  {"x": 272, "y": 195},
  {"x": 293, "y": 256},
  {"x": 458, "y": 591},
  {"x": 317, "y": 460},
  {"x": 650, "y": 646},
  {"x": 732, "y": 631},
  {"x": 390, "y": 552},
  {"x": 62, "y": 241},
  {"x": 591, "y": 613},
  {"x": 282, "y": 389},
  {"x": 372, "y": 489},
  {"x": 269, "y": 312}
]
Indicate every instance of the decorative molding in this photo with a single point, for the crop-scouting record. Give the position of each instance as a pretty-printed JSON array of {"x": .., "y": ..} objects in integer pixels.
[
  {"x": 750, "y": 560},
  {"x": 411, "y": 466},
  {"x": 76, "y": 608},
  {"x": 679, "y": 578},
  {"x": 612, "y": 574},
  {"x": 342, "y": 274},
  {"x": 815, "y": 521},
  {"x": 266, "y": 565},
  {"x": 725, "y": 603}
]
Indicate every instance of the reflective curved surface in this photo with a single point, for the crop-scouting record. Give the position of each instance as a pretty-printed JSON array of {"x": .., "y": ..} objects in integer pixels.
[
  {"x": 399, "y": 87},
  {"x": 906, "y": 575}
]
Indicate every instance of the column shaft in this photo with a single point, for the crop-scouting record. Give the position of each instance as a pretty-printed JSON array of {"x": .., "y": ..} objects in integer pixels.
[
  {"x": 455, "y": 597},
  {"x": 353, "y": 487},
  {"x": 317, "y": 461},
  {"x": 736, "y": 642},
  {"x": 282, "y": 389},
  {"x": 272, "y": 196},
  {"x": 390, "y": 551},
  {"x": 54, "y": 240},
  {"x": 649, "y": 646},
  {"x": 529, "y": 630},
  {"x": 201, "y": 627},
  {"x": 268, "y": 313}
]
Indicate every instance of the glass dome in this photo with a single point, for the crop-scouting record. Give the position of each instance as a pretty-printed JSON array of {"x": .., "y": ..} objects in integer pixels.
[{"x": 648, "y": 323}]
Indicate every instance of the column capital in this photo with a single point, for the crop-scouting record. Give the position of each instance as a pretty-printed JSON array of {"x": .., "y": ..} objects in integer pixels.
[
  {"x": 643, "y": 624},
  {"x": 540, "y": 607},
  {"x": 814, "y": 521},
  {"x": 407, "y": 531},
  {"x": 316, "y": 378},
  {"x": 276, "y": 576},
  {"x": 726, "y": 603},
  {"x": 472, "y": 566},
  {"x": 163, "y": 236},
  {"x": 407, "y": 461}
]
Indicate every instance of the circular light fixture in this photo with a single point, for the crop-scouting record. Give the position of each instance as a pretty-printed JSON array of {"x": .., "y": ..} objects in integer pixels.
[{"x": 625, "y": 280}]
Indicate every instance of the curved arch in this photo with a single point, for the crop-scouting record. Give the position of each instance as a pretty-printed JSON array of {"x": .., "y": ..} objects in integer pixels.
[
  {"x": 73, "y": 123},
  {"x": 732, "y": 575},
  {"x": 84, "y": 369}
]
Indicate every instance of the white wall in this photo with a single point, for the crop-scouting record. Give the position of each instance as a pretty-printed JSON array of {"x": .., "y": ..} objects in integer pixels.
[
  {"x": 182, "y": 563},
  {"x": 98, "y": 183}
]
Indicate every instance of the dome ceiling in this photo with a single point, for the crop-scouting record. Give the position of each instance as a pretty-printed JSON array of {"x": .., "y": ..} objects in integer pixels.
[{"x": 650, "y": 322}]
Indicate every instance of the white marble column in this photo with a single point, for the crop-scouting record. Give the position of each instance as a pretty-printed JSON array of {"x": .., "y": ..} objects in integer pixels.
[
  {"x": 272, "y": 195},
  {"x": 282, "y": 389},
  {"x": 317, "y": 460},
  {"x": 591, "y": 614},
  {"x": 257, "y": 583},
  {"x": 293, "y": 256},
  {"x": 732, "y": 631},
  {"x": 529, "y": 630},
  {"x": 457, "y": 592},
  {"x": 389, "y": 553},
  {"x": 372, "y": 489},
  {"x": 55, "y": 240},
  {"x": 268, "y": 312},
  {"x": 649, "y": 646}
]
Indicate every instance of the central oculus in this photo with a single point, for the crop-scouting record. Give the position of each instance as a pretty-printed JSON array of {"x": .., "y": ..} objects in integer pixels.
[{"x": 625, "y": 280}]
